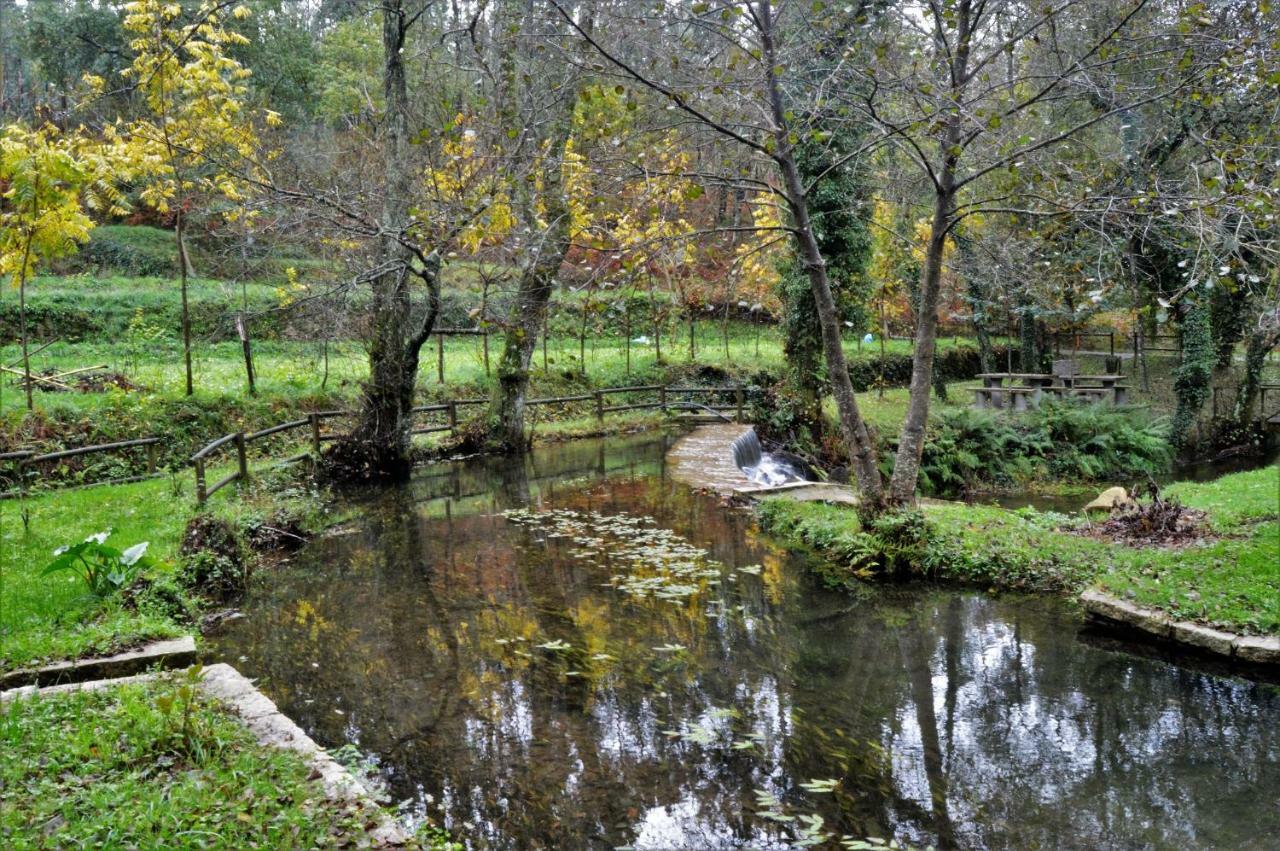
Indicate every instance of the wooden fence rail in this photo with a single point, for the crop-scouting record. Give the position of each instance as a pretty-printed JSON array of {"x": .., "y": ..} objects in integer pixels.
[
  {"x": 25, "y": 459},
  {"x": 313, "y": 422},
  {"x": 450, "y": 409}
]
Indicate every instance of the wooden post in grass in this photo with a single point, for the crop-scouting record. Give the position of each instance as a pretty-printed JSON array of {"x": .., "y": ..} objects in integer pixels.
[
  {"x": 242, "y": 329},
  {"x": 440, "y": 358},
  {"x": 662, "y": 399},
  {"x": 453, "y": 415},
  {"x": 242, "y": 458},
  {"x": 599, "y": 406},
  {"x": 201, "y": 493},
  {"x": 152, "y": 450},
  {"x": 740, "y": 397},
  {"x": 315, "y": 432}
]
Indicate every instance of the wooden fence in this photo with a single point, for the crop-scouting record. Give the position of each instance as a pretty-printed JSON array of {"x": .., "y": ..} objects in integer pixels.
[
  {"x": 680, "y": 398},
  {"x": 24, "y": 461},
  {"x": 1132, "y": 344}
]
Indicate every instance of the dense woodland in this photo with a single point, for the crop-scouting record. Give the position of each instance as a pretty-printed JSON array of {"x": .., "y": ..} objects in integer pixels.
[{"x": 999, "y": 168}]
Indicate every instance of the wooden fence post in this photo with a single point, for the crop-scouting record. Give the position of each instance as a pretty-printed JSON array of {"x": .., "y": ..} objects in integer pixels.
[
  {"x": 242, "y": 457},
  {"x": 21, "y": 467},
  {"x": 453, "y": 414},
  {"x": 315, "y": 432},
  {"x": 440, "y": 358},
  {"x": 740, "y": 398},
  {"x": 151, "y": 458},
  {"x": 201, "y": 493},
  {"x": 662, "y": 398},
  {"x": 599, "y": 406}
]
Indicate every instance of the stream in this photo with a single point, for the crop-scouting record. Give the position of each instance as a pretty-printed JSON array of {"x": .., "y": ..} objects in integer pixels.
[{"x": 575, "y": 651}]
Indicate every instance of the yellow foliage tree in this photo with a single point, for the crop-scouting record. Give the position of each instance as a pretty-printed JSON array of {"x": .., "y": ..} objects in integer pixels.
[
  {"x": 199, "y": 134},
  {"x": 51, "y": 179}
]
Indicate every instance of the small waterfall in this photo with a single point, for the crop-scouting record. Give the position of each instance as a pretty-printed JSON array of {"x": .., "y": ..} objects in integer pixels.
[{"x": 766, "y": 468}]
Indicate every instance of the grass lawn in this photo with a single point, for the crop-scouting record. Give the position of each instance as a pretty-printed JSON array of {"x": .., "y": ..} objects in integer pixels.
[
  {"x": 113, "y": 769},
  {"x": 1234, "y": 581},
  {"x": 55, "y": 616},
  {"x": 1229, "y": 581},
  {"x": 89, "y": 316},
  {"x": 44, "y": 618}
]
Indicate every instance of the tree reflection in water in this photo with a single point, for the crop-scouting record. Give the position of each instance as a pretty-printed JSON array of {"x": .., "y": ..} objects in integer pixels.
[{"x": 952, "y": 719}]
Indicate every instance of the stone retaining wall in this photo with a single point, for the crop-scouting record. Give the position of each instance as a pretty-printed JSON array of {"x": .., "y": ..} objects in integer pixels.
[{"x": 1249, "y": 649}]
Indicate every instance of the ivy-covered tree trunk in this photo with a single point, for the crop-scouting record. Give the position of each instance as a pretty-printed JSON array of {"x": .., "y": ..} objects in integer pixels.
[
  {"x": 853, "y": 429},
  {"x": 1264, "y": 337},
  {"x": 1192, "y": 378},
  {"x": 1028, "y": 348},
  {"x": 979, "y": 299},
  {"x": 836, "y": 203}
]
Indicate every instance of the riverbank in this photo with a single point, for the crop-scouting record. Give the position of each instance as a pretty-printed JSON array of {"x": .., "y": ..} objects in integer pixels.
[{"x": 1224, "y": 578}]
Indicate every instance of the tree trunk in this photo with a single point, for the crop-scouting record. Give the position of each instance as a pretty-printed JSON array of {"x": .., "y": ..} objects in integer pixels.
[
  {"x": 537, "y": 280},
  {"x": 1261, "y": 342},
  {"x": 183, "y": 266},
  {"x": 528, "y": 313},
  {"x": 978, "y": 305},
  {"x": 858, "y": 441},
  {"x": 379, "y": 446},
  {"x": 906, "y": 467},
  {"x": 22, "y": 318},
  {"x": 242, "y": 329}
]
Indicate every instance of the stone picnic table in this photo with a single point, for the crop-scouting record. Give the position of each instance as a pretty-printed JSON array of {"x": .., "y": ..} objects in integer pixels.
[{"x": 1026, "y": 389}]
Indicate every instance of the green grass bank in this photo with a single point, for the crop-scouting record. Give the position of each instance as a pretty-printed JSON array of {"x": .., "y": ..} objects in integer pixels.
[{"x": 1226, "y": 579}]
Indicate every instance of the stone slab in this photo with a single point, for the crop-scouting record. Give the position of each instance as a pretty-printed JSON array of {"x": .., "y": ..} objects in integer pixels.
[
  {"x": 169, "y": 653},
  {"x": 1258, "y": 649},
  {"x": 87, "y": 685},
  {"x": 1204, "y": 637},
  {"x": 274, "y": 729},
  {"x": 1250, "y": 649},
  {"x": 1123, "y": 612},
  {"x": 803, "y": 492}
]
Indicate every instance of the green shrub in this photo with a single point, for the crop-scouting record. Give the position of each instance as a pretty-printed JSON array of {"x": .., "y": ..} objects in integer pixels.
[
  {"x": 1102, "y": 442},
  {"x": 968, "y": 449},
  {"x": 957, "y": 363},
  {"x": 129, "y": 250}
]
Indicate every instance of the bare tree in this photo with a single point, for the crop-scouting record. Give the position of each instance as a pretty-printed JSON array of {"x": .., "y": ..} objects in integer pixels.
[
  {"x": 379, "y": 445},
  {"x": 969, "y": 92}
]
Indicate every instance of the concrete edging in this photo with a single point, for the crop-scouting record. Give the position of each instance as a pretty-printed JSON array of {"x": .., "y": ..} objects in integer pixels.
[
  {"x": 1250, "y": 649},
  {"x": 168, "y": 653}
]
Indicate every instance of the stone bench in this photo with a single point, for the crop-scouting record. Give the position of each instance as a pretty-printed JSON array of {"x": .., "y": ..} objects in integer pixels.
[{"x": 1022, "y": 398}]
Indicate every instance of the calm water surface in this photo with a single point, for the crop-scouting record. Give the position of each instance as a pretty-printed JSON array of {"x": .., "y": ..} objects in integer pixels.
[{"x": 507, "y": 687}]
